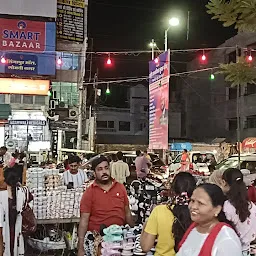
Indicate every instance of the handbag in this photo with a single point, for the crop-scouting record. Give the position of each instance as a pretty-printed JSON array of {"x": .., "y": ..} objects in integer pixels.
[{"x": 28, "y": 218}]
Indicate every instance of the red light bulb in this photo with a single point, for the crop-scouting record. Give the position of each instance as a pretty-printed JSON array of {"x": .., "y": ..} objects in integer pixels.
[
  {"x": 3, "y": 60},
  {"x": 59, "y": 61},
  {"x": 203, "y": 57},
  {"x": 249, "y": 58},
  {"x": 156, "y": 60},
  {"x": 109, "y": 62}
]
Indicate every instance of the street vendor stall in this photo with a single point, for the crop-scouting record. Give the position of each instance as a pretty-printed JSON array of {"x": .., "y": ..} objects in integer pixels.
[{"x": 54, "y": 206}]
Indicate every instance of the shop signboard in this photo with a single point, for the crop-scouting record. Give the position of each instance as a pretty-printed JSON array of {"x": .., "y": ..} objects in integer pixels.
[
  {"x": 24, "y": 86},
  {"x": 45, "y": 8},
  {"x": 28, "y": 47},
  {"x": 27, "y": 122},
  {"x": 159, "y": 74},
  {"x": 70, "y": 20}
]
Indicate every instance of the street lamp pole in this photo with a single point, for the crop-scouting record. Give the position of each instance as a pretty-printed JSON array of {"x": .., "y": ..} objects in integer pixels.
[
  {"x": 173, "y": 22},
  {"x": 166, "y": 39}
]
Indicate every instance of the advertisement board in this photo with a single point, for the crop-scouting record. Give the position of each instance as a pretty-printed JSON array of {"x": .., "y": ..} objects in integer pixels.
[
  {"x": 24, "y": 86},
  {"x": 159, "y": 74},
  {"x": 28, "y": 47},
  {"x": 45, "y": 8},
  {"x": 70, "y": 20}
]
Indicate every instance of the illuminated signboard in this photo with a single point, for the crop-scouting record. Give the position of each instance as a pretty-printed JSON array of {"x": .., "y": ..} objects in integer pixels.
[
  {"x": 28, "y": 47},
  {"x": 24, "y": 86}
]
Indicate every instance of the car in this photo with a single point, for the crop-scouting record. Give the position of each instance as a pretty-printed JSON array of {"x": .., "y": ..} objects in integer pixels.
[
  {"x": 200, "y": 162},
  {"x": 247, "y": 161}
]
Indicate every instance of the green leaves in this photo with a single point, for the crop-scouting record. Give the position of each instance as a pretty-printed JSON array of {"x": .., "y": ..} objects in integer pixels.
[
  {"x": 241, "y": 13},
  {"x": 240, "y": 73}
]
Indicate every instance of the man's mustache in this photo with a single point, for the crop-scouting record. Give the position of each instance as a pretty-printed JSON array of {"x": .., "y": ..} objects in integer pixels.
[{"x": 104, "y": 175}]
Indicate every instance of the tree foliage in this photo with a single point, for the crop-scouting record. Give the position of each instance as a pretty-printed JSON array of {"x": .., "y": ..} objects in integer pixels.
[
  {"x": 240, "y": 13},
  {"x": 240, "y": 73}
]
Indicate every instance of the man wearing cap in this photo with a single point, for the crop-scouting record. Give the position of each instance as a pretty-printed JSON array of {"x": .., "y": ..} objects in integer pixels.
[{"x": 105, "y": 202}]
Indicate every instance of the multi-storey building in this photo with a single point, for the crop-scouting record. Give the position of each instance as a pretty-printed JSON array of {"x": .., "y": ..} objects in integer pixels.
[{"x": 209, "y": 108}]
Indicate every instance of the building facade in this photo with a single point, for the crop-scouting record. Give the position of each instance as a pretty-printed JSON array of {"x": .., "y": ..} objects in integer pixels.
[{"x": 209, "y": 109}]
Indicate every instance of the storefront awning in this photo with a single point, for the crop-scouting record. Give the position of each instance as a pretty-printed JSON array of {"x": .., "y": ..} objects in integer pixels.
[
  {"x": 181, "y": 146},
  {"x": 249, "y": 143},
  {"x": 5, "y": 111}
]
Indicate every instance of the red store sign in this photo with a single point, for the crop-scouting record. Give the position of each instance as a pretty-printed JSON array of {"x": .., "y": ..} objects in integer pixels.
[{"x": 22, "y": 35}]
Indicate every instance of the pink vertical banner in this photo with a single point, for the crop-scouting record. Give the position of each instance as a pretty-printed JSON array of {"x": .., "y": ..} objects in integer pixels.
[{"x": 159, "y": 74}]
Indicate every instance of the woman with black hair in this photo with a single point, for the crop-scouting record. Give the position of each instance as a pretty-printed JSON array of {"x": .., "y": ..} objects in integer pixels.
[
  {"x": 168, "y": 223},
  {"x": 210, "y": 234},
  {"x": 238, "y": 208},
  {"x": 13, "y": 200}
]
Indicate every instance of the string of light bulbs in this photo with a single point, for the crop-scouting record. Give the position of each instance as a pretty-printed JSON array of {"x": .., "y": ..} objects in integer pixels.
[
  {"x": 59, "y": 59},
  {"x": 146, "y": 77}
]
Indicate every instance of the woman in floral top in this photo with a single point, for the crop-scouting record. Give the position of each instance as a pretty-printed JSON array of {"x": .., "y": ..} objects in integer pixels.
[{"x": 239, "y": 209}]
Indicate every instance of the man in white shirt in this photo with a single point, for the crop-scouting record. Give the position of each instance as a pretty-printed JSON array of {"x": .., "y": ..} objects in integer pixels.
[
  {"x": 5, "y": 157},
  {"x": 120, "y": 169},
  {"x": 74, "y": 177}
]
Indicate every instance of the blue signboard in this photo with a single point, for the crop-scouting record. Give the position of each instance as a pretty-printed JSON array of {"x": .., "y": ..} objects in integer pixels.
[
  {"x": 181, "y": 146},
  {"x": 24, "y": 53}
]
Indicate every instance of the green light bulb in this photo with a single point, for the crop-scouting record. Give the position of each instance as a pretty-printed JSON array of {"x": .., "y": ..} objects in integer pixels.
[
  {"x": 107, "y": 91},
  {"x": 212, "y": 77}
]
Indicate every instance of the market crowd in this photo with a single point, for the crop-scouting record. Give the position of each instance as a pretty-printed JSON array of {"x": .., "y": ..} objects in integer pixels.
[{"x": 217, "y": 218}]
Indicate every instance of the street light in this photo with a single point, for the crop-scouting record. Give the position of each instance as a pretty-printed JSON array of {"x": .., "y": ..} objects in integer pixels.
[
  {"x": 173, "y": 22},
  {"x": 153, "y": 45}
]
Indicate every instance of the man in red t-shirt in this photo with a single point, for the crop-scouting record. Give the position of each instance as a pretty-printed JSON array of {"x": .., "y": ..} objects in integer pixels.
[{"x": 105, "y": 202}]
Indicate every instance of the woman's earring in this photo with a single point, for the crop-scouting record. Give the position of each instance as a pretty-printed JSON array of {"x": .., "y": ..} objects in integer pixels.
[{"x": 216, "y": 215}]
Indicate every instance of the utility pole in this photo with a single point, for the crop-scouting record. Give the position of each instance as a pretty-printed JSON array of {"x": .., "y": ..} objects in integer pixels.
[
  {"x": 153, "y": 44},
  {"x": 166, "y": 40},
  {"x": 95, "y": 87},
  {"x": 81, "y": 108},
  {"x": 238, "y": 115}
]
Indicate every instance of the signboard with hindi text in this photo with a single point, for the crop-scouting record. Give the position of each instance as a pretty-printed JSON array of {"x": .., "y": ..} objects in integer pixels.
[
  {"x": 70, "y": 20},
  {"x": 159, "y": 74},
  {"x": 28, "y": 47}
]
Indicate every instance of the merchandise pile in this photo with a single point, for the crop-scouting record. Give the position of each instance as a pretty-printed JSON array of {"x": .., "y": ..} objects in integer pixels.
[
  {"x": 52, "y": 200},
  {"x": 123, "y": 241},
  {"x": 144, "y": 196}
]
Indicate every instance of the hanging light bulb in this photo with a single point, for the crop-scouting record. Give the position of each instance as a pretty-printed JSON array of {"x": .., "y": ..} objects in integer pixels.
[
  {"x": 249, "y": 58},
  {"x": 59, "y": 61},
  {"x": 156, "y": 60},
  {"x": 107, "y": 90},
  {"x": 3, "y": 60},
  {"x": 109, "y": 61}
]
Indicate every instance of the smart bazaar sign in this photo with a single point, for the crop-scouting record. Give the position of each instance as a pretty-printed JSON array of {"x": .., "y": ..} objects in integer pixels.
[
  {"x": 21, "y": 35},
  {"x": 28, "y": 47}
]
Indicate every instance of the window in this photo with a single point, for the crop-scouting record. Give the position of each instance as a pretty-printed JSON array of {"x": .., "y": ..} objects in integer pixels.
[
  {"x": 15, "y": 98},
  {"x": 251, "y": 122},
  {"x": 111, "y": 124},
  {"x": 2, "y": 98},
  {"x": 232, "y": 125},
  {"x": 232, "y": 93},
  {"x": 27, "y": 99},
  {"x": 250, "y": 89},
  {"x": 145, "y": 108},
  {"x": 102, "y": 124},
  {"x": 232, "y": 57},
  {"x": 124, "y": 126},
  {"x": 40, "y": 100},
  {"x": 142, "y": 126},
  {"x": 106, "y": 124}
]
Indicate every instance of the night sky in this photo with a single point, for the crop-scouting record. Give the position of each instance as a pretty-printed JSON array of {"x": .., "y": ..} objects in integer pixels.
[{"x": 118, "y": 25}]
